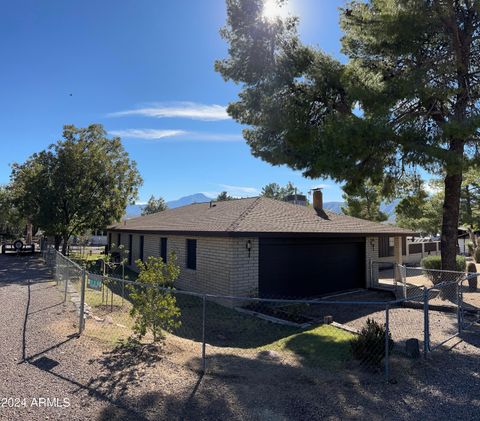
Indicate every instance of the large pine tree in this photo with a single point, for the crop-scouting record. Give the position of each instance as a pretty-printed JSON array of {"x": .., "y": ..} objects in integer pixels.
[{"x": 412, "y": 72}]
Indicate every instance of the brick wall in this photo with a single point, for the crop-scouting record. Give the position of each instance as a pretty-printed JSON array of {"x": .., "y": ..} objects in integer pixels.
[
  {"x": 245, "y": 267},
  {"x": 215, "y": 261},
  {"x": 371, "y": 247}
]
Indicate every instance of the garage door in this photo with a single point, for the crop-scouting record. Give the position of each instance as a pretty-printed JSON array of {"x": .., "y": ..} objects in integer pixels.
[{"x": 310, "y": 267}]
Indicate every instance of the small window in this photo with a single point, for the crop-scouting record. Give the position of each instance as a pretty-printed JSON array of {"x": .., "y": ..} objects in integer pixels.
[
  {"x": 142, "y": 242},
  {"x": 130, "y": 248},
  {"x": 163, "y": 249},
  {"x": 192, "y": 254}
]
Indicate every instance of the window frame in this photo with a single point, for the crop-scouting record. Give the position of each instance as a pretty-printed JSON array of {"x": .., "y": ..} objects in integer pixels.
[
  {"x": 130, "y": 249},
  {"x": 191, "y": 254},
  {"x": 142, "y": 247},
  {"x": 164, "y": 248}
]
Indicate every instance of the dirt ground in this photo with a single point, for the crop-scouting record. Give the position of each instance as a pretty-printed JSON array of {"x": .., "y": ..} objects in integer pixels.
[{"x": 41, "y": 358}]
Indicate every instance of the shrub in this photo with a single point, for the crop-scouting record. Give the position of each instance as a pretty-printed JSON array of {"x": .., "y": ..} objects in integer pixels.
[
  {"x": 476, "y": 255},
  {"x": 369, "y": 346},
  {"x": 472, "y": 279},
  {"x": 154, "y": 304},
  {"x": 435, "y": 263},
  {"x": 470, "y": 248}
]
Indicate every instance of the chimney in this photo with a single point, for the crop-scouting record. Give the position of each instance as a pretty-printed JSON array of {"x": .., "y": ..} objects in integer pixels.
[{"x": 318, "y": 200}]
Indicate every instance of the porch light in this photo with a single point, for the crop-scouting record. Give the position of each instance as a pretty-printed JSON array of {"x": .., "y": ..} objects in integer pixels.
[
  {"x": 372, "y": 243},
  {"x": 248, "y": 246}
]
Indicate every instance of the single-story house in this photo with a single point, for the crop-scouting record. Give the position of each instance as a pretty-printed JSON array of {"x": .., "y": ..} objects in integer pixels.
[{"x": 260, "y": 247}]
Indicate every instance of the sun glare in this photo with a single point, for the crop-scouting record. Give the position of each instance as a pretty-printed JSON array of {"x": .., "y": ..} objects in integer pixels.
[{"x": 273, "y": 9}]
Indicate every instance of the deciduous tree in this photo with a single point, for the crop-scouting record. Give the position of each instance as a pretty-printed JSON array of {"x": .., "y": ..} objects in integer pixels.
[
  {"x": 82, "y": 182},
  {"x": 154, "y": 205}
]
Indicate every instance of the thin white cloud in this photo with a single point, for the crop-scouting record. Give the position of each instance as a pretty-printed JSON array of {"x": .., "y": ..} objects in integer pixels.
[
  {"x": 189, "y": 110},
  {"x": 239, "y": 189},
  {"x": 184, "y": 135},
  {"x": 151, "y": 134}
]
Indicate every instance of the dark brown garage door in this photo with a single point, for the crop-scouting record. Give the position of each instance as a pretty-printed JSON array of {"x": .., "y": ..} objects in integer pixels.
[{"x": 294, "y": 268}]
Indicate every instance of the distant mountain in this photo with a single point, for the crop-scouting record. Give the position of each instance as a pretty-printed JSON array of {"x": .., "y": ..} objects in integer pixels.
[
  {"x": 388, "y": 208},
  {"x": 136, "y": 210},
  {"x": 334, "y": 206},
  {"x": 188, "y": 200}
]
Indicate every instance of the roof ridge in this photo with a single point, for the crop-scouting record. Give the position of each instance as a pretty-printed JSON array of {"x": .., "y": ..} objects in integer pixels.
[{"x": 242, "y": 216}]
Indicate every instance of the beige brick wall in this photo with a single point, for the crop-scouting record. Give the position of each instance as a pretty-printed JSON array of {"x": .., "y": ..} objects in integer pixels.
[
  {"x": 371, "y": 248},
  {"x": 215, "y": 261},
  {"x": 245, "y": 267}
]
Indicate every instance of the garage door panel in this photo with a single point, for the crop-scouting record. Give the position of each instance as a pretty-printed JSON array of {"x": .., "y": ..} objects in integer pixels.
[{"x": 302, "y": 268}]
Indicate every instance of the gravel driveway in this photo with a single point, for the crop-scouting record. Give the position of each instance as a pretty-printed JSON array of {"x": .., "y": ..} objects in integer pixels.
[{"x": 40, "y": 359}]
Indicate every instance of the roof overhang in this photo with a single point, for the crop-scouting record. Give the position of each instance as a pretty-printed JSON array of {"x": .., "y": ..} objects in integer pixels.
[{"x": 261, "y": 234}]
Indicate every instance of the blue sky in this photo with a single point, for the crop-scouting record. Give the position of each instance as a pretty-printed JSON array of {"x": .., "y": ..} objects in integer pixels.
[{"x": 143, "y": 69}]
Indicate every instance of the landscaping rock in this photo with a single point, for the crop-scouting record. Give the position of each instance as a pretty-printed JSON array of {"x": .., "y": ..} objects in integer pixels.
[
  {"x": 413, "y": 348},
  {"x": 108, "y": 320},
  {"x": 98, "y": 319},
  {"x": 268, "y": 354}
]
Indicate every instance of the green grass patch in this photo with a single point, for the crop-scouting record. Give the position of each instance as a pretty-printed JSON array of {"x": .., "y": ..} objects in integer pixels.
[{"x": 323, "y": 346}]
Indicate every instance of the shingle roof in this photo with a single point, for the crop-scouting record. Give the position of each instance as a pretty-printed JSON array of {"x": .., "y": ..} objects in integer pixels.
[{"x": 256, "y": 215}]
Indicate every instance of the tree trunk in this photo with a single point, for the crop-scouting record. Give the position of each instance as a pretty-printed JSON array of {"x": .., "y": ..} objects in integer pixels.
[
  {"x": 451, "y": 210},
  {"x": 65, "y": 244},
  {"x": 58, "y": 240}
]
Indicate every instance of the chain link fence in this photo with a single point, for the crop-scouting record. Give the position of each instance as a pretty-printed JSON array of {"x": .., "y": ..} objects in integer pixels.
[{"x": 226, "y": 334}]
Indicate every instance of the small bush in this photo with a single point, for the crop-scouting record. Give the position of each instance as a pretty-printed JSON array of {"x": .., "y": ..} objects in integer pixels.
[
  {"x": 470, "y": 248},
  {"x": 154, "y": 306},
  {"x": 435, "y": 263},
  {"x": 472, "y": 279},
  {"x": 476, "y": 255},
  {"x": 369, "y": 346}
]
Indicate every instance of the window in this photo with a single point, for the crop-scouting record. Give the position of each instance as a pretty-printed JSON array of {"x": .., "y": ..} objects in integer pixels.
[
  {"x": 119, "y": 240},
  {"x": 163, "y": 249},
  {"x": 130, "y": 247},
  {"x": 141, "y": 247},
  {"x": 192, "y": 254}
]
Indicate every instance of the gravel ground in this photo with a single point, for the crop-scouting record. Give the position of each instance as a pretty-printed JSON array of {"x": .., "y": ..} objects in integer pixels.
[{"x": 157, "y": 384}]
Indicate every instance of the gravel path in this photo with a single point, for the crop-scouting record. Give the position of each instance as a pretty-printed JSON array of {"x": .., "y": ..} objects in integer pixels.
[{"x": 160, "y": 384}]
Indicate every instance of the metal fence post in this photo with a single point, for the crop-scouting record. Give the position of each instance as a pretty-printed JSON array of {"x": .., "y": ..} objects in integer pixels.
[
  {"x": 459, "y": 307},
  {"x": 426, "y": 324},
  {"x": 387, "y": 342},
  {"x": 65, "y": 280},
  {"x": 204, "y": 361},
  {"x": 81, "y": 325}
]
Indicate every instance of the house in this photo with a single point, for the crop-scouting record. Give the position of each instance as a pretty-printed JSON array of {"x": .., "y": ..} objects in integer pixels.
[{"x": 260, "y": 247}]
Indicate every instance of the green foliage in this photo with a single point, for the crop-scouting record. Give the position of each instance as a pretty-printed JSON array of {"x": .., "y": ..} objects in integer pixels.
[
  {"x": 436, "y": 275},
  {"x": 82, "y": 182},
  {"x": 154, "y": 205},
  {"x": 470, "y": 248},
  {"x": 275, "y": 191},
  {"x": 12, "y": 223},
  {"x": 435, "y": 262},
  {"x": 154, "y": 304},
  {"x": 420, "y": 212},
  {"x": 364, "y": 202},
  {"x": 476, "y": 255},
  {"x": 369, "y": 346},
  {"x": 223, "y": 196},
  {"x": 416, "y": 89}
]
